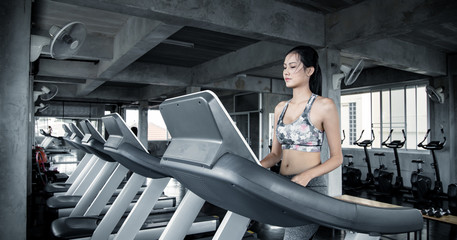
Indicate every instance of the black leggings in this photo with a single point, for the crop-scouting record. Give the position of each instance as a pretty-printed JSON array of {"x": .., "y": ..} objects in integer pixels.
[{"x": 318, "y": 184}]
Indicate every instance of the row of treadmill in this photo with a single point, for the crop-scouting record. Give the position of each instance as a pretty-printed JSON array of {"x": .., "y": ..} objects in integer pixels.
[{"x": 210, "y": 158}]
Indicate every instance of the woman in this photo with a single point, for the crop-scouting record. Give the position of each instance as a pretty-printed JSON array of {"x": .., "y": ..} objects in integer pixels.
[{"x": 300, "y": 124}]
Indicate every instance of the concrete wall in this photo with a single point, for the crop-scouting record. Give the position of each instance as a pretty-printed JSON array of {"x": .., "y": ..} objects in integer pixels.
[
  {"x": 452, "y": 109},
  {"x": 15, "y": 116}
]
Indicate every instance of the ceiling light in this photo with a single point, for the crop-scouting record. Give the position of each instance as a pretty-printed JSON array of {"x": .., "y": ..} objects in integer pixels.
[{"x": 178, "y": 43}]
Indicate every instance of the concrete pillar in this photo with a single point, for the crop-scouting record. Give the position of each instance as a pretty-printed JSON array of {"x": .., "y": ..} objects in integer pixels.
[
  {"x": 143, "y": 122},
  {"x": 269, "y": 101},
  {"x": 329, "y": 60},
  {"x": 15, "y": 18},
  {"x": 452, "y": 74},
  {"x": 193, "y": 89}
]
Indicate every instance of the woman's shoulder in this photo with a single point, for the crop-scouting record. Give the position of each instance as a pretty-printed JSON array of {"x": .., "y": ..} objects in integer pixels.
[
  {"x": 325, "y": 103},
  {"x": 280, "y": 106}
]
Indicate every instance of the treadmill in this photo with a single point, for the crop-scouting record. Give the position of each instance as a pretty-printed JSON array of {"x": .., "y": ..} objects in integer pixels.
[
  {"x": 85, "y": 174},
  {"x": 104, "y": 187},
  {"x": 64, "y": 204},
  {"x": 210, "y": 157},
  {"x": 124, "y": 147}
]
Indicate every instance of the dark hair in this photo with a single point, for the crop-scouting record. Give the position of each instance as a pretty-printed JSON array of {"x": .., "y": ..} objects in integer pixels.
[
  {"x": 134, "y": 130},
  {"x": 310, "y": 58}
]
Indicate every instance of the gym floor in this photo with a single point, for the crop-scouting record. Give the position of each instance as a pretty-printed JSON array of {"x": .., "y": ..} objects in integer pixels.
[{"x": 39, "y": 221}]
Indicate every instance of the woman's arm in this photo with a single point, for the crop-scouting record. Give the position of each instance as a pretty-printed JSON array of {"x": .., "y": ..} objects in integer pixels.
[
  {"x": 276, "y": 152},
  {"x": 331, "y": 125}
]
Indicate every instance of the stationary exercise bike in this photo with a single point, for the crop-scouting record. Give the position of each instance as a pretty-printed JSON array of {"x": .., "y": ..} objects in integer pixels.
[
  {"x": 420, "y": 184},
  {"x": 432, "y": 146},
  {"x": 395, "y": 145},
  {"x": 351, "y": 176},
  {"x": 382, "y": 177},
  {"x": 365, "y": 144}
]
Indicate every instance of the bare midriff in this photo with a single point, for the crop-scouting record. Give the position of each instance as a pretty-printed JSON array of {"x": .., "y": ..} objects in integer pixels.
[{"x": 295, "y": 162}]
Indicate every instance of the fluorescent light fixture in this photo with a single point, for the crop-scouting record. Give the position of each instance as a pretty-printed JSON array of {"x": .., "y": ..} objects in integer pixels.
[{"x": 178, "y": 43}]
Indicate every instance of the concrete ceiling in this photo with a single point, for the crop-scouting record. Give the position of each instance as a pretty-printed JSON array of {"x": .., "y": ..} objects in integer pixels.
[{"x": 150, "y": 50}]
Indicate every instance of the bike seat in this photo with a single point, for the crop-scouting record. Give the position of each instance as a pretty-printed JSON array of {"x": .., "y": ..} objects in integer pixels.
[
  {"x": 379, "y": 154},
  {"x": 348, "y": 156},
  {"x": 417, "y": 161}
]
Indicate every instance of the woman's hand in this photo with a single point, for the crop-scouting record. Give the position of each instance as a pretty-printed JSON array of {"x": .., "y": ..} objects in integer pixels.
[{"x": 303, "y": 178}]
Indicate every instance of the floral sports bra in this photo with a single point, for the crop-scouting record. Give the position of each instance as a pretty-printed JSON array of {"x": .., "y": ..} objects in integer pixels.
[{"x": 300, "y": 135}]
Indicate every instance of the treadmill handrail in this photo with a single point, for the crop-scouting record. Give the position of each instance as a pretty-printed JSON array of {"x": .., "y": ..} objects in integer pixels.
[{"x": 123, "y": 146}]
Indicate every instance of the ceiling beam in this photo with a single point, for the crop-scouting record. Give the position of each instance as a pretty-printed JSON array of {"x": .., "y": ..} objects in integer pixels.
[
  {"x": 401, "y": 55},
  {"x": 250, "y": 58},
  {"x": 89, "y": 86},
  {"x": 379, "y": 19},
  {"x": 134, "y": 39},
  {"x": 243, "y": 83},
  {"x": 155, "y": 74},
  {"x": 137, "y": 37},
  {"x": 251, "y": 84},
  {"x": 155, "y": 92},
  {"x": 58, "y": 80},
  {"x": 67, "y": 69},
  {"x": 114, "y": 94},
  {"x": 258, "y": 19},
  {"x": 102, "y": 94}
]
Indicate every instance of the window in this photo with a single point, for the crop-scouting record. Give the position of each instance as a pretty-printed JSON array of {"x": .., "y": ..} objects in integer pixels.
[
  {"x": 131, "y": 118},
  {"x": 384, "y": 109},
  {"x": 353, "y": 111},
  {"x": 157, "y": 130},
  {"x": 54, "y": 123},
  {"x": 352, "y": 123}
]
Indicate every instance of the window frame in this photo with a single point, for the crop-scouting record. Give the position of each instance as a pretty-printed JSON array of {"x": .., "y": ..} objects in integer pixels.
[{"x": 389, "y": 87}]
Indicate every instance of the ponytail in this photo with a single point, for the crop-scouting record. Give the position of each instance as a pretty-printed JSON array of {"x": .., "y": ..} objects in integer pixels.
[{"x": 315, "y": 81}]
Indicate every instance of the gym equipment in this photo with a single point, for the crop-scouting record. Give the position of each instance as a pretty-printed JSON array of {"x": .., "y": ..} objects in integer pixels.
[
  {"x": 67, "y": 137},
  {"x": 452, "y": 197},
  {"x": 52, "y": 144},
  {"x": 395, "y": 145},
  {"x": 42, "y": 174},
  {"x": 365, "y": 144},
  {"x": 92, "y": 141},
  {"x": 433, "y": 146},
  {"x": 123, "y": 146},
  {"x": 105, "y": 184},
  {"x": 351, "y": 176},
  {"x": 208, "y": 155},
  {"x": 382, "y": 177},
  {"x": 420, "y": 184},
  {"x": 432, "y": 212},
  {"x": 347, "y": 178},
  {"x": 85, "y": 172}
]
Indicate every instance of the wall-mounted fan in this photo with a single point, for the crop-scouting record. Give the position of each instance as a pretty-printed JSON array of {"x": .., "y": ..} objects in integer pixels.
[
  {"x": 45, "y": 93},
  {"x": 435, "y": 94},
  {"x": 41, "y": 108},
  {"x": 348, "y": 74},
  {"x": 64, "y": 42}
]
